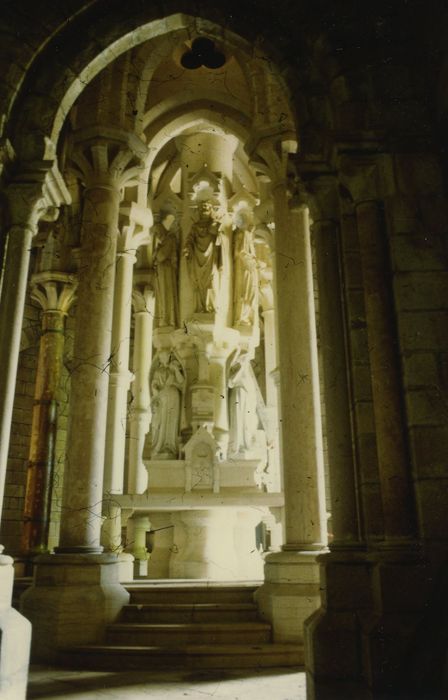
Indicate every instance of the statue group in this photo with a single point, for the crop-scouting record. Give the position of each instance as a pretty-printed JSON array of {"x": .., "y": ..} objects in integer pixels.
[
  {"x": 208, "y": 255},
  {"x": 222, "y": 274}
]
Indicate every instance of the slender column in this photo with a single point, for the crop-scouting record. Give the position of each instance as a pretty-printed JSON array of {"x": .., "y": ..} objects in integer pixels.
[
  {"x": 55, "y": 293},
  {"x": 301, "y": 430},
  {"x": 393, "y": 458},
  {"x": 27, "y": 203},
  {"x": 130, "y": 239},
  {"x": 140, "y": 412},
  {"x": 326, "y": 235}
]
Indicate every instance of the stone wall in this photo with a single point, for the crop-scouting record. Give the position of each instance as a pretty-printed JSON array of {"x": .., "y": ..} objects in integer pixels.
[{"x": 418, "y": 225}]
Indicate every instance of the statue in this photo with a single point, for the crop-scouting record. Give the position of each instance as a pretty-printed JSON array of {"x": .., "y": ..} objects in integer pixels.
[
  {"x": 166, "y": 383},
  {"x": 245, "y": 294},
  {"x": 165, "y": 266},
  {"x": 242, "y": 407},
  {"x": 204, "y": 258}
]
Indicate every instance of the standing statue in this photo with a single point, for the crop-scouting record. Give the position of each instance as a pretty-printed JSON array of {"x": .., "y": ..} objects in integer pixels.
[
  {"x": 166, "y": 383},
  {"x": 204, "y": 258},
  {"x": 245, "y": 290},
  {"x": 165, "y": 266},
  {"x": 242, "y": 407}
]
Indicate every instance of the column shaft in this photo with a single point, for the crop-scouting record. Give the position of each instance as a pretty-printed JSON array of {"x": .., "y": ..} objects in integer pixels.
[
  {"x": 399, "y": 521},
  {"x": 83, "y": 482},
  {"x": 119, "y": 377},
  {"x": 141, "y": 410},
  {"x": 301, "y": 431},
  {"x": 271, "y": 365},
  {"x": 14, "y": 287},
  {"x": 335, "y": 374},
  {"x": 41, "y": 463}
]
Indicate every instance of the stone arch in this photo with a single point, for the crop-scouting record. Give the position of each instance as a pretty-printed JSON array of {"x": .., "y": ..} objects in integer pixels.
[{"x": 57, "y": 78}]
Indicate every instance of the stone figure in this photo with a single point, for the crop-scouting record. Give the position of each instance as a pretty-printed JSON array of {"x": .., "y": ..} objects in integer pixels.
[
  {"x": 243, "y": 417},
  {"x": 204, "y": 258},
  {"x": 245, "y": 290},
  {"x": 165, "y": 266},
  {"x": 166, "y": 383}
]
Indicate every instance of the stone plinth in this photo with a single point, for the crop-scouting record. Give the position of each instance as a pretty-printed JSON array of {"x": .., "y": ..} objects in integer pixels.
[
  {"x": 72, "y": 599},
  {"x": 15, "y": 639},
  {"x": 290, "y": 593},
  {"x": 333, "y": 632},
  {"x": 215, "y": 544}
]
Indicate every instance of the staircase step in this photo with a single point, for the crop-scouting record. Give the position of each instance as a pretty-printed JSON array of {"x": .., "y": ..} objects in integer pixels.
[
  {"x": 188, "y": 593},
  {"x": 190, "y": 633},
  {"x": 102, "y": 657},
  {"x": 189, "y": 612}
]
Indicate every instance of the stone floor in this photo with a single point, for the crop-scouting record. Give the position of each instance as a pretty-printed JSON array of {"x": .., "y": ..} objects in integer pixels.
[{"x": 265, "y": 684}]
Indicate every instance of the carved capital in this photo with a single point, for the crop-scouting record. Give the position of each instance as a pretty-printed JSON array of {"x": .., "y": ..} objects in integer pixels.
[
  {"x": 135, "y": 230},
  {"x": 320, "y": 192},
  {"x": 360, "y": 175},
  {"x": 54, "y": 291},
  {"x": 367, "y": 176},
  {"x": 36, "y": 192},
  {"x": 107, "y": 157},
  {"x": 270, "y": 157},
  {"x": 7, "y": 157}
]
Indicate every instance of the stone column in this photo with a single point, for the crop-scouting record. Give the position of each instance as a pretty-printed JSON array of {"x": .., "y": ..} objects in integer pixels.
[
  {"x": 335, "y": 370},
  {"x": 393, "y": 458},
  {"x": 140, "y": 414},
  {"x": 35, "y": 193},
  {"x": 79, "y": 570},
  {"x": 133, "y": 235},
  {"x": 332, "y": 633},
  {"x": 291, "y": 589},
  {"x": 140, "y": 409},
  {"x": 271, "y": 366},
  {"x": 398, "y": 572},
  {"x": 55, "y": 292}
]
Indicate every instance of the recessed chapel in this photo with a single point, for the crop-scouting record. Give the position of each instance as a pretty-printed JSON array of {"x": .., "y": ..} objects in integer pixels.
[{"x": 223, "y": 340}]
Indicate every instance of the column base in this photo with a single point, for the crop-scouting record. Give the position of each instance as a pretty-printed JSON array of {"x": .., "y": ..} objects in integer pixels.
[
  {"x": 290, "y": 593},
  {"x": 359, "y": 643},
  {"x": 401, "y": 584},
  {"x": 125, "y": 567},
  {"x": 72, "y": 599},
  {"x": 333, "y": 632},
  {"x": 15, "y": 639}
]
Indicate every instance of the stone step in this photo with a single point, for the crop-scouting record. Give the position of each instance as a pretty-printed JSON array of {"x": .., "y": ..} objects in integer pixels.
[
  {"x": 103, "y": 657},
  {"x": 189, "y": 612},
  {"x": 187, "y": 593},
  {"x": 192, "y": 633}
]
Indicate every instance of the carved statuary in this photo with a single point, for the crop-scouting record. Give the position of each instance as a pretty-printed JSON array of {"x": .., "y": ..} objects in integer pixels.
[
  {"x": 242, "y": 407},
  {"x": 165, "y": 265},
  {"x": 166, "y": 382},
  {"x": 204, "y": 257},
  {"x": 245, "y": 290}
]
